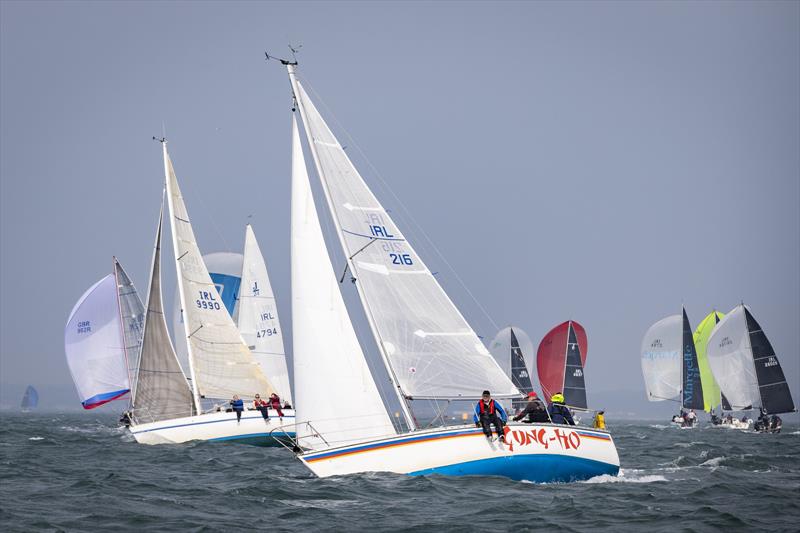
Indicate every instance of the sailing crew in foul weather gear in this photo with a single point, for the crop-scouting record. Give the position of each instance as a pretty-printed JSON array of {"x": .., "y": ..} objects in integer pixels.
[
  {"x": 238, "y": 406},
  {"x": 559, "y": 413},
  {"x": 535, "y": 410},
  {"x": 599, "y": 420},
  {"x": 275, "y": 403},
  {"x": 488, "y": 412},
  {"x": 261, "y": 405}
]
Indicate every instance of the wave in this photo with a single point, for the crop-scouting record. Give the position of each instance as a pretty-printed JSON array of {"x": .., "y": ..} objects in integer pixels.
[
  {"x": 627, "y": 476},
  {"x": 36, "y": 438}
]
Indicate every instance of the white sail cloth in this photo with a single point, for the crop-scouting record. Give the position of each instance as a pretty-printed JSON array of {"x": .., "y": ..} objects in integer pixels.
[
  {"x": 258, "y": 317},
  {"x": 431, "y": 349},
  {"x": 132, "y": 315},
  {"x": 500, "y": 348},
  {"x": 731, "y": 361},
  {"x": 95, "y": 345},
  {"x": 221, "y": 363},
  {"x": 335, "y": 394},
  {"x": 661, "y": 359}
]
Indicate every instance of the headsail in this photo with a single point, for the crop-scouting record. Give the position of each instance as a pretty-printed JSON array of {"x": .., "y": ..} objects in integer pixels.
[
  {"x": 712, "y": 396},
  {"x": 95, "y": 346},
  {"x": 560, "y": 360},
  {"x": 661, "y": 359},
  {"x": 221, "y": 364},
  {"x": 692, "y": 395},
  {"x": 429, "y": 349},
  {"x": 745, "y": 365},
  {"x": 30, "y": 400},
  {"x": 161, "y": 389},
  {"x": 258, "y": 317},
  {"x": 132, "y": 315},
  {"x": 328, "y": 361}
]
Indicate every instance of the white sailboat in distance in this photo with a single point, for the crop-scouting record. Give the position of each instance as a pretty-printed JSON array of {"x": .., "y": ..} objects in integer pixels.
[{"x": 429, "y": 350}]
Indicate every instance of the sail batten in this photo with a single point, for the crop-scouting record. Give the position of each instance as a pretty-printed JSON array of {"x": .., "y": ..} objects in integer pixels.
[{"x": 438, "y": 364}]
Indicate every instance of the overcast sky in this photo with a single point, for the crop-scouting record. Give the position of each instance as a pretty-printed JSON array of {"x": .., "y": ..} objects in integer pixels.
[{"x": 605, "y": 162}]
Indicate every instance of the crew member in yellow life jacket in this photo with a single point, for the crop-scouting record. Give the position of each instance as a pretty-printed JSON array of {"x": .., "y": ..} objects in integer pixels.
[{"x": 599, "y": 420}]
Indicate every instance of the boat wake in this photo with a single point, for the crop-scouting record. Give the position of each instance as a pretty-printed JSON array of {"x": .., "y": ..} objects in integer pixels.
[{"x": 627, "y": 476}]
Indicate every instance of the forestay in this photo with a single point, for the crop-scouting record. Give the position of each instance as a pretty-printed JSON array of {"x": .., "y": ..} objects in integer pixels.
[
  {"x": 661, "y": 359},
  {"x": 431, "y": 350},
  {"x": 161, "y": 389},
  {"x": 221, "y": 363},
  {"x": 95, "y": 347},
  {"x": 334, "y": 389},
  {"x": 132, "y": 315},
  {"x": 258, "y": 317}
]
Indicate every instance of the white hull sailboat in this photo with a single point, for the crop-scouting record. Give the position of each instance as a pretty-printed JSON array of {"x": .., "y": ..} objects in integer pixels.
[
  {"x": 168, "y": 408},
  {"x": 428, "y": 349}
]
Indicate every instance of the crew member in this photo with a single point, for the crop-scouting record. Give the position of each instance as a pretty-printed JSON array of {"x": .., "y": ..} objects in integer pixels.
[
  {"x": 275, "y": 403},
  {"x": 599, "y": 420},
  {"x": 559, "y": 413},
  {"x": 534, "y": 410},
  {"x": 261, "y": 405},
  {"x": 238, "y": 406},
  {"x": 488, "y": 412}
]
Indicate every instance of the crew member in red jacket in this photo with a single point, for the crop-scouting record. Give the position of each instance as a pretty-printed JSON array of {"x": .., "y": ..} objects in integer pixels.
[
  {"x": 275, "y": 403},
  {"x": 488, "y": 412}
]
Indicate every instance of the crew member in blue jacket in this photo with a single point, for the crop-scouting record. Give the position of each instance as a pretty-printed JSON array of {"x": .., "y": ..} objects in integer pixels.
[
  {"x": 238, "y": 406},
  {"x": 559, "y": 413},
  {"x": 488, "y": 412}
]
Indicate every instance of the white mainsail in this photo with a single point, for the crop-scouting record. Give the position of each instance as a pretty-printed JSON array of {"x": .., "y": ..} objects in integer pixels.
[
  {"x": 258, "y": 317},
  {"x": 162, "y": 391},
  {"x": 429, "y": 348},
  {"x": 661, "y": 359},
  {"x": 731, "y": 361},
  {"x": 132, "y": 315},
  {"x": 221, "y": 364},
  {"x": 334, "y": 389},
  {"x": 95, "y": 345}
]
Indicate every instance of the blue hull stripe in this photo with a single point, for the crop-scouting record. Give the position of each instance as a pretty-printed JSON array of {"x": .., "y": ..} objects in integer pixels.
[
  {"x": 99, "y": 399},
  {"x": 537, "y": 468},
  {"x": 281, "y": 435},
  {"x": 232, "y": 419}
]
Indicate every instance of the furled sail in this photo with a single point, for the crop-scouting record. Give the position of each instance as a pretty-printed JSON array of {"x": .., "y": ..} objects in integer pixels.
[
  {"x": 513, "y": 351},
  {"x": 661, "y": 359},
  {"x": 335, "y": 394},
  {"x": 30, "y": 400},
  {"x": 712, "y": 395},
  {"x": 220, "y": 361},
  {"x": 746, "y": 366},
  {"x": 162, "y": 391},
  {"x": 560, "y": 360},
  {"x": 132, "y": 314},
  {"x": 258, "y": 317},
  {"x": 95, "y": 345},
  {"x": 430, "y": 349},
  {"x": 692, "y": 395}
]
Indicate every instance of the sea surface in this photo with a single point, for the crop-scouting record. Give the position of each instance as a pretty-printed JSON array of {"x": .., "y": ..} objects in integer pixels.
[{"x": 79, "y": 472}]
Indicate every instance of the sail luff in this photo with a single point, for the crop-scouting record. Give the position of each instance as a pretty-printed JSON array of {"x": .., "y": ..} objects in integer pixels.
[
  {"x": 175, "y": 248},
  {"x": 404, "y": 406},
  {"x": 122, "y": 328}
]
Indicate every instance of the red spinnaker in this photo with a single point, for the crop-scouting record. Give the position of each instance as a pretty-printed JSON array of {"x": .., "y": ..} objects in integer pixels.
[{"x": 551, "y": 357}]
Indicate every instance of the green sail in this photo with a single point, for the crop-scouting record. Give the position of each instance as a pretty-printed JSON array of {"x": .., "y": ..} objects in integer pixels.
[{"x": 711, "y": 391}]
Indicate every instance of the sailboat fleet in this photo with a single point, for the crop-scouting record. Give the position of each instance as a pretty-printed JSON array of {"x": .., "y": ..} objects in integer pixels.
[
  {"x": 117, "y": 348},
  {"x": 727, "y": 363}
]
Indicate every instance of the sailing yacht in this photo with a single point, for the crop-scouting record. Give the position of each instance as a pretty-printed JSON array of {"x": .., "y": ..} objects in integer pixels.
[
  {"x": 560, "y": 360},
  {"x": 512, "y": 349},
  {"x": 428, "y": 349},
  {"x": 102, "y": 338},
  {"x": 746, "y": 367},
  {"x": 669, "y": 364},
  {"x": 166, "y": 406}
]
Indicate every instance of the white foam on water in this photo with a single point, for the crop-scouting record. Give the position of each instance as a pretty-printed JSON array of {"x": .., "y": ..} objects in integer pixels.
[
  {"x": 36, "y": 438},
  {"x": 629, "y": 476},
  {"x": 714, "y": 462}
]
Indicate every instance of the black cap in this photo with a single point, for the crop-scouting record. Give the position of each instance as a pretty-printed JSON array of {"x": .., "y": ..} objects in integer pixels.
[{"x": 487, "y": 393}]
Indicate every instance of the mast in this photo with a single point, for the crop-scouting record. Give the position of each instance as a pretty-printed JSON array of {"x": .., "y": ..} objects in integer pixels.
[
  {"x": 195, "y": 392},
  {"x": 404, "y": 405}
]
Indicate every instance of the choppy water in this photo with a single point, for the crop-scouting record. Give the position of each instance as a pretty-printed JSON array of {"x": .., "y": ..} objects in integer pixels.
[{"x": 79, "y": 472}]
